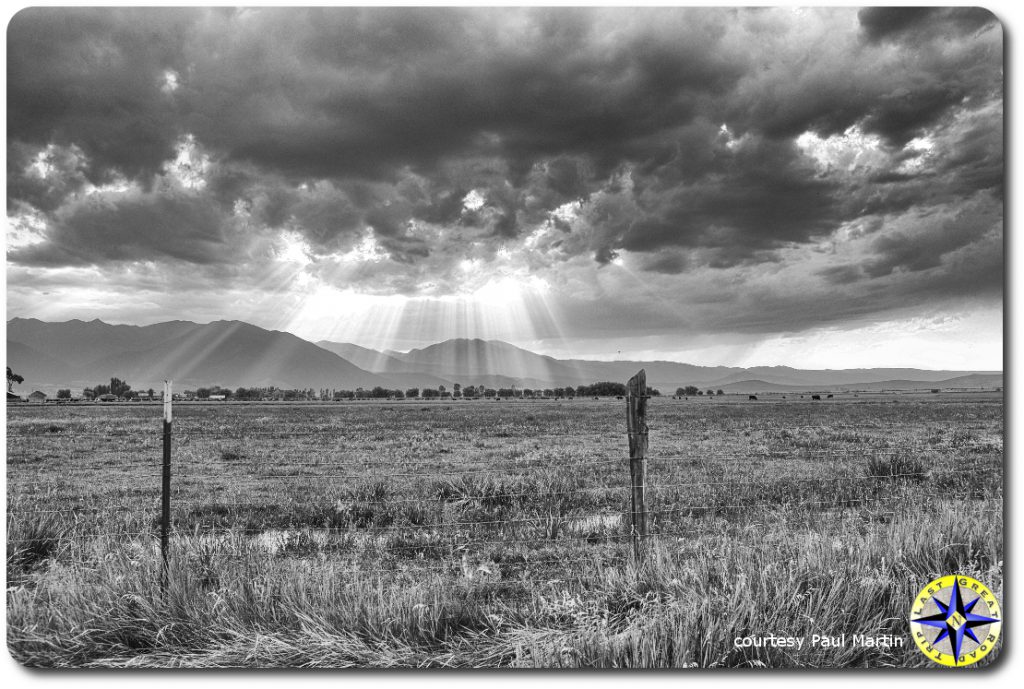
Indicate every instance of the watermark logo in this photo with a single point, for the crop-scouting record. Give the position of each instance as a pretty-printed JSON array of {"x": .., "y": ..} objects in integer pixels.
[{"x": 955, "y": 620}]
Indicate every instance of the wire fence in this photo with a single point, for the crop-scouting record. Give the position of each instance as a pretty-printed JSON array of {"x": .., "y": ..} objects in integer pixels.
[{"x": 293, "y": 491}]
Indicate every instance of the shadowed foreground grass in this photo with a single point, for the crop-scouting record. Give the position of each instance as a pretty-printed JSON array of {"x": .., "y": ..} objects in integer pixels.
[{"x": 851, "y": 574}]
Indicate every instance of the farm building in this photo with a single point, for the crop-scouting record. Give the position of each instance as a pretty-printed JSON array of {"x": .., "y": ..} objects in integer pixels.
[
  {"x": 37, "y": 397},
  {"x": 218, "y": 398},
  {"x": 11, "y": 397},
  {"x": 107, "y": 398}
]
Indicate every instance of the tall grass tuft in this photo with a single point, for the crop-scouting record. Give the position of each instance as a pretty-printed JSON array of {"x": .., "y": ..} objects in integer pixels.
[
  {"x": 899, "y": 465},
  {"x": 30, "y": 541}
]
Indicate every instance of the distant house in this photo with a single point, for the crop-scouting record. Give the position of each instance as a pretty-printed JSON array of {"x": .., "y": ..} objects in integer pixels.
[
  {"x": 107, "y": 398},
  {"x": 11, "y": 397},
  {"x": 37, "y": 397},
  {"x": 218, "y": 398}
]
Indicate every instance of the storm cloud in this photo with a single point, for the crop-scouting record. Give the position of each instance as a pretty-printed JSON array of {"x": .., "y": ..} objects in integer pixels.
[{"x": 406, "y": 150}]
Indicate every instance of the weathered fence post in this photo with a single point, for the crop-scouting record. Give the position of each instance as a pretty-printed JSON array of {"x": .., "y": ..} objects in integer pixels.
[
  {"x": 636, "y": 425},
  {"x": 165, "y": 517}
]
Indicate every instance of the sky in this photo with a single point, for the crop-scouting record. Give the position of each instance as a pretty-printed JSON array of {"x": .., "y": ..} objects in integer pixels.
[{"x": 820, "y": 188}]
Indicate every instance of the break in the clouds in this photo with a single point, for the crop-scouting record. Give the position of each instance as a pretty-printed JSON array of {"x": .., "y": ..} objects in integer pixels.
[{"x": 396, "y": 175}]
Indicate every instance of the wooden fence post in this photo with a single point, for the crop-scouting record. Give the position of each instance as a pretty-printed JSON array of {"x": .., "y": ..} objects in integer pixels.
[
  {"x": 636, "y": 425},
  {"x": 165, "y": 516}
]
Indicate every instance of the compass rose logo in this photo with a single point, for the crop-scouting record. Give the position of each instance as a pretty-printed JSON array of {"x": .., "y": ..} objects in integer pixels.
[{"x": 955, "y": 620}]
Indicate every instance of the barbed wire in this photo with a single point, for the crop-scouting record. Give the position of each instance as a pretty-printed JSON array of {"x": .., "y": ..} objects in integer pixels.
[
  {"x": 455, "y": 565},
  {"x": 94, "y": 535},
  {"x": 181, "y": 431},
  {"x": 440, "y": 472},
  {"x": 593, "y": 539},
  {"x": 504, "y": 495},
  {"x": 653, "y": 487}
]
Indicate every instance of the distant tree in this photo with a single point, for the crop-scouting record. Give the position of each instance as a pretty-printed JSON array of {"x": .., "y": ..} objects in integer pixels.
[
  {"x": 440, "y": 390},
  {"x": 719, "y": 392},
  {"x": 700, "y": 393},
  {"x": 151, "y": 393},
  {"x": 412, "y": 392},
  {"x": 506, "y": 392},
  {"x": 603, "y": 389},
  {"x": 203, "y": 393},
  {"x": 119, "y": 387},
  {"x": 63, "y": 394},
  {"x": 13, "y": 378},
  {"x": 430, "y": 393},
  {"x": 680, "y": 392},
  {"x": 654, "y": 392},
  {"x": 88, "y": 393},
  {"x": 457, "y": 390},
  {"x": 710, "y": 393},
  {"x": 548, "y": 392},
  {"x": 490, "y": 392},
  {"x": 689, "y": 390},
  {"x": 469, "y": 391}
]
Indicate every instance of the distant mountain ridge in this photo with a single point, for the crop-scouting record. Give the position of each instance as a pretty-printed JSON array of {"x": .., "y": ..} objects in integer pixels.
[
  {"x": 227, "y": 353},
  {"x": 470, "y": 359},
  {"x": 235, "y": 354}
]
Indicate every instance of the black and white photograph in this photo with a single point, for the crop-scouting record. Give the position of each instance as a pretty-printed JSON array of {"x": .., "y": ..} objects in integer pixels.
[{"x": 481, "y": 337}]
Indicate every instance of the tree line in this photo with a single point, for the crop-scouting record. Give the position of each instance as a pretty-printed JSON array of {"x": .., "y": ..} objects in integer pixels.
[
  {"x": 458, "y": 391},
  {"x": 122, "y": 390},
  {"x": 694, "y": 391}
]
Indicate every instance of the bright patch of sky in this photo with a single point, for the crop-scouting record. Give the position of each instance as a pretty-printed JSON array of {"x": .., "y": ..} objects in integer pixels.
[
  {"x": 474, "y": 200},
  {"x": 849, "y": 152},
  {"x": 170, "y": 82},
  {"x": 367, "y": 251},
  {"x": 292, "y": 248},
  {"x": 25, "y": 229},
  {"x": 190, "y": 164}
]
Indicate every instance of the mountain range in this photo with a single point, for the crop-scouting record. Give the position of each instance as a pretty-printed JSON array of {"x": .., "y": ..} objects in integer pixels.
[{"x": 77, "y": 354}]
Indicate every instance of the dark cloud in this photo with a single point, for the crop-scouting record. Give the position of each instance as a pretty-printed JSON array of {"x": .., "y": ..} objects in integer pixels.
[
  {"x": 893, "y": 23},
  {"x": 759, "y": 196},
  {"x": 92, "y": 78},
  {"x": 841, "y": 275},
  {"x": 674, "y": 136},
  {"x": 671, "y": 263},
  {"x": 44, "y": 179},
  {"x": 931, "y": 237},
  {"x": 132, "y": 227}
]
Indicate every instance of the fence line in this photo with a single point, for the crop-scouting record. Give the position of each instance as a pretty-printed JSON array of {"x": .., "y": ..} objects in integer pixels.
[
  {"x": 731, "y": 483},
  {"x": 639, "y": 523},
  {"x": 597, "y": 538}
]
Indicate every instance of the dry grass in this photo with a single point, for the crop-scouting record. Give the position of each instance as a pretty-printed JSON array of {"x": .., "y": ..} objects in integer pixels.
[{"x": 301, "y": 540}]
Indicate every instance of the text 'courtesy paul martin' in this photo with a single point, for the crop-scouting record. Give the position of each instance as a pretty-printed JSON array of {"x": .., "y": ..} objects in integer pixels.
[{"x": 819, "y": 641}]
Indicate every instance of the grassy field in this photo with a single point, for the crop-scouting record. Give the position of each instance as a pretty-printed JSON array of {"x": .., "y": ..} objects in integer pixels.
[{"x": 469, "y": 534}]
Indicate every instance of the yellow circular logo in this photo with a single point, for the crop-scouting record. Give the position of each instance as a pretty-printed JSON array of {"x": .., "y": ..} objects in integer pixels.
[{"x": 955, "y": 620}]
